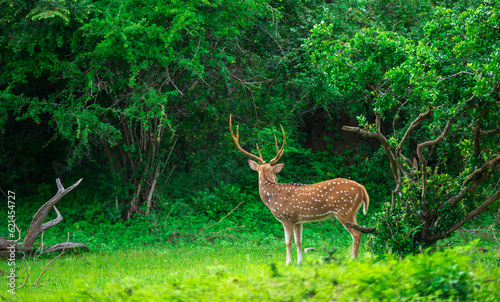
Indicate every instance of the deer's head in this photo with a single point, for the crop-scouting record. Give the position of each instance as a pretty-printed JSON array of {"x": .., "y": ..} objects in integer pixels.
[{"x": 269, "y": 169}]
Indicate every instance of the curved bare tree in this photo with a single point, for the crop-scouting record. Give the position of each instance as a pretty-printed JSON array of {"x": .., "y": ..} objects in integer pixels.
[{"x": 9, "y": 246}]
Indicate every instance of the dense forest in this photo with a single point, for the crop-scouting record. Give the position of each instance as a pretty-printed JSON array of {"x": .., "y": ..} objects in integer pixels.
[{"x": 135, "y": 97}]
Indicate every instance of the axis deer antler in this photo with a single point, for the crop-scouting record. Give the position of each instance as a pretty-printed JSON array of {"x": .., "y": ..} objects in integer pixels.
[
  {"x": 278, "y": 151},
  {"x": 295, "y": 204},
  {"x": 236, "y": 141},
  {"x": 259, "y": 158}
]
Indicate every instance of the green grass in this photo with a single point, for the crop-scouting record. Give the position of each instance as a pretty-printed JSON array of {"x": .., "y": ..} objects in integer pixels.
[
  {"x": 251, "y": 268},
  {"x": 245, "y": 264},
  {"x": 152, "y": 266},
  {"x": 163, "y": 264}
]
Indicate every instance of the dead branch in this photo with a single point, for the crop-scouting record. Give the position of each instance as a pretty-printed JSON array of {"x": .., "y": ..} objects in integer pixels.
[
  {"x": 361, "y": 229},
  {"x": 37, "y": 227},
  {"x": 65, "y": 246},
  {"x": 212, "y": 225},
  {"x": 50, "y": 262}
]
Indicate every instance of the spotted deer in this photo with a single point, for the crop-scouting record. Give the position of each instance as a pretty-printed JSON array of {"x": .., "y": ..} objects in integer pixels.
[{"x": 295, "y": 204}]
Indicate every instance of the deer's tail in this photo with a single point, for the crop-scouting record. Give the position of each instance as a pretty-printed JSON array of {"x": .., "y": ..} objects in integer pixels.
[{"x": 366, "y": 199}]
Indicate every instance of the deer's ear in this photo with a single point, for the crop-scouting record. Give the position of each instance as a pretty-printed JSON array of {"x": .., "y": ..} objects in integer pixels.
[
  {"x": 277, "y": 168},
  {"x": 253, "y": 165}
]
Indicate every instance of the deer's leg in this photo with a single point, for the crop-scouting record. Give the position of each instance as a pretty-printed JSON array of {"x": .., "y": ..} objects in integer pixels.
[
  {"x": 355, "y": 234},
  {"x": 356, "y": 240},
  {"x": 297, "y": 231},
  {"x": 288, "y": 226}
]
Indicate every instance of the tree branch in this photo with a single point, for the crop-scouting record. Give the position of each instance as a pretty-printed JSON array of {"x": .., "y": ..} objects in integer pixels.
[
  {"x": 477, "y": 133},
  {"x": 455, "y": 74},
  {"x": 477, "y": 178},
  {"x": 385, "y": 144},
  {"x": 494, "y": 163},
  {"x": 361, "y": 229},
  {"x": 53, "y": 222},
  {"x": 490, "y": 132},
  {"x": 478, "y": 210},
  {"x": 36, "y": 227},
  {"x": 209, "y": 226},
  {"x": 420, "y": 146},
  {"x": 416, "y": 123},
  {"x": 64, "y": 246},
  {"x": 433, "y": 142}
]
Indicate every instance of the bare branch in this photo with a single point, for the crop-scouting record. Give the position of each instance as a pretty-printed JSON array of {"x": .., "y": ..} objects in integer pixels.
[
  {"x": 64, "y": 246},
  {"x": 361, "y": 229},
  {"x": 49, "y": 263},
  {"x": 212, "y": 225},
  {"x": 53, "y": 222},
  {"x": 36, "y": 224},
  {"x": 27, "y": 267}
]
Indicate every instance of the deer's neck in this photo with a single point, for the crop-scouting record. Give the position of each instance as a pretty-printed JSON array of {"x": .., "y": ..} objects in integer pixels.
[{"x": 269, "y": 189}]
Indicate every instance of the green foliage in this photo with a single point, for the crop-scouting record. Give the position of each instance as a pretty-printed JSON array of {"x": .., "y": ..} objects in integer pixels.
[
  {"x": 441, "y": 276},
  {"x": 116, "y": 76},
  {"x": 135, "y": 95},
  {"x": 219, "y": 201},
  {"x": 65, "y": 10},
  {"x": 439, "y": 70}
]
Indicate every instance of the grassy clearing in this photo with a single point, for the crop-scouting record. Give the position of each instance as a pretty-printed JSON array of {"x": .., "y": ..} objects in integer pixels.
[
  {"x": 253, "y": 270},
  {"x": 153, "y": 266},
  {"x": 158, "y": 265},
  {"x": 161, "y": 265}
]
